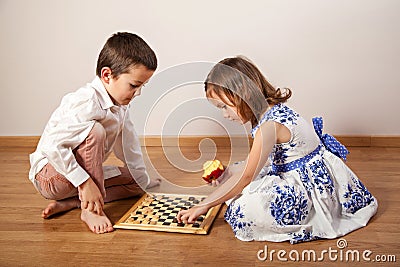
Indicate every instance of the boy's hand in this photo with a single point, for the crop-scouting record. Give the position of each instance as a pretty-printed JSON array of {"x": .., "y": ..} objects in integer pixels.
[{"x": 90, "y": 196}]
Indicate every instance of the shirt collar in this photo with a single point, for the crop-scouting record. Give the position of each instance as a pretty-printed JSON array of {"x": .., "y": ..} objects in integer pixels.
[{"x": 104, "y": 98}]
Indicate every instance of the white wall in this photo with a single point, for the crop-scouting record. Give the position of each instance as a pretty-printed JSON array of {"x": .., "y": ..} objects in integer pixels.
[{"x": 341, "y": 58}]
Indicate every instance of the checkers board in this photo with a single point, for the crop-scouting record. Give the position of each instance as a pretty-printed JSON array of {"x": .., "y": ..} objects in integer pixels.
[{"x": 158, "y": 213}]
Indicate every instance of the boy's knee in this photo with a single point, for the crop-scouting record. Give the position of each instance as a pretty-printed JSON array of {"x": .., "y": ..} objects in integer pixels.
[{"x": 98, "y": 132}]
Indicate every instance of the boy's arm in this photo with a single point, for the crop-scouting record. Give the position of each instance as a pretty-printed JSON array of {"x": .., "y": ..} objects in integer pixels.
[
  {"x": 64, "y": 134},
  {"x": 68, "y": 130},
  {"x": 127, "y": 148},
  {"x": 90, "y": 196}
]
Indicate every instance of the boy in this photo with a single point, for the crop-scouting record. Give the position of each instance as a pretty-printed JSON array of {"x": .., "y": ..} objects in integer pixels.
[{"x": 87, "y": 126}]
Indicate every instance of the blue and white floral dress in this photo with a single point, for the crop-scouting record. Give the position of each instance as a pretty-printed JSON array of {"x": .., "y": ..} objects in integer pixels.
[{"x": 306, "y": 193}]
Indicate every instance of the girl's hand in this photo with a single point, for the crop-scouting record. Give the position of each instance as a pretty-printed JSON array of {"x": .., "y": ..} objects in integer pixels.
[
  {"x": 90, "y": 196},
  {"x": 215, "y": 183},
  {"x": 225, "y": 175},
  {"x": 228, "y": 172},
  {"x": 190, "y": 215}
]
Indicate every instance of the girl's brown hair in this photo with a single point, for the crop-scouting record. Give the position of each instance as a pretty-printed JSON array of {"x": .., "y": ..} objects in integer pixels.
[{"x": 245, "y": 87}]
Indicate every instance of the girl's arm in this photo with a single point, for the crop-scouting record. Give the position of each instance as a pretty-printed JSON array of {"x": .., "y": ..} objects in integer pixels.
[{"x": 263, "y": 143}]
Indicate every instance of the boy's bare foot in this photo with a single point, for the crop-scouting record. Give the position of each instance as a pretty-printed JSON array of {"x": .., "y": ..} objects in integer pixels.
[
  {"x": 60, "y": 206},
  {"x": 98, "y": 224},
  {"x": 154, "y": 182}
]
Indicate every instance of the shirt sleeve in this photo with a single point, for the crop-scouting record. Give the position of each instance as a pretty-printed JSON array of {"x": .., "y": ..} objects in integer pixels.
[
  {"x": 67, "y": 129},
  {"x": 127, "y": 148}
]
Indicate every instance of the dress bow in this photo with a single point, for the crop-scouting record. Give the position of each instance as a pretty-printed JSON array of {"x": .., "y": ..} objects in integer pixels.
[{"x": 329, "y": 141}]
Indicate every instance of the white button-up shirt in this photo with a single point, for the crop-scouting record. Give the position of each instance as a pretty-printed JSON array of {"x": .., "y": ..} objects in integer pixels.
[{"x": 71, "y": 123}]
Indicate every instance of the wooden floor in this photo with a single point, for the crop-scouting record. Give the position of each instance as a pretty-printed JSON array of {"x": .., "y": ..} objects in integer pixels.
[{"x": 28, "y": 240}]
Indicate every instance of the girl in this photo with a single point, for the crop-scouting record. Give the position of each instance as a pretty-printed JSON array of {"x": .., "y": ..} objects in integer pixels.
[{"x": 293, "y": 186}]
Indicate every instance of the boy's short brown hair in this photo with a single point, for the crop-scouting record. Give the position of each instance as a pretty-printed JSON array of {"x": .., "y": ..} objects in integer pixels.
[{"x": 124, "y": 50}]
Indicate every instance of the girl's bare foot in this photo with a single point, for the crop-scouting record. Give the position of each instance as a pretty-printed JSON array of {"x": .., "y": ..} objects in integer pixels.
[
  {"x": 154, "y": 182},
  {"x": 60, "y": 206},
  {"x": 98, "y": 224}
]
